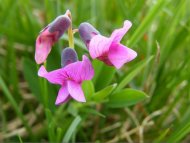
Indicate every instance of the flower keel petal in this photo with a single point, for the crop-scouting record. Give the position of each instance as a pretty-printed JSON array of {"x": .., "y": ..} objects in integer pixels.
[
  {"x": 63, "y": 95},
  {"x": 119, "y": 55},
  {"x": 43, "y": 48},
  {"x": 75, "y": 91}
]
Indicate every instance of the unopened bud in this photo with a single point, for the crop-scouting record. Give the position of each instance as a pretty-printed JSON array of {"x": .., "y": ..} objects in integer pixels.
[
  {"x": 60, "y": 25},
  {"x": 87, "y": 31},
  {"x": 68, "y": 56}
]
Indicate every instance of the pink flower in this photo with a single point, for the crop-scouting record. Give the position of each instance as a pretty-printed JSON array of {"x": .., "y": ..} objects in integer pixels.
[
  {"x": 70, "y": 78},
  {"x": 49, "y": 35},
  {"x": 109, "y": 50}
]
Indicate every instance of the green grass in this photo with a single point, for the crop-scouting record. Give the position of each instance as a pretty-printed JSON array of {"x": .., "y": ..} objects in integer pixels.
[{"x": 146, "y": 101}]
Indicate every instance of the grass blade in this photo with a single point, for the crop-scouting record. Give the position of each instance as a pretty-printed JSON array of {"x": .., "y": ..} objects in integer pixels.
[
  {"x": 138, "y": 68},
  {"x": 14, "y": 104},
  {"x": 146, "y": 22},
  {"x": 71, "y": 129}
]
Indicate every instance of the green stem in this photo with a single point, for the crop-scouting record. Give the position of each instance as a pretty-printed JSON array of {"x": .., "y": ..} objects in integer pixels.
[
  {"x": 45, "y": 93},
  {"x": 70, "y": 31}
]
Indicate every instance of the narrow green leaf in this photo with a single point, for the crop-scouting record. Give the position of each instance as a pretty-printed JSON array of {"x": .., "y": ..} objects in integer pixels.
[
  {"x": 30, "y": 74},
  {"x": 59, "y": 134},
  {"x": 13, "y": 75},
  {"x": 126, "y": 97},
  {"x": 48, "y": 115},
  {"x": 179, "y": 133},
  {"x": 88, "y": 89},
  {"x": 162, "y": 136},
  {"x": 105, "y": 77},
  {"x": 169, "y": 33},
  {"x": 15, "y": 105},
  {"x": 102, "y": 94},
  {"x": 137, "y": 69},
  {"x": 97, "y": 65},
  {"x": 72, "y": 109},
  {"x": 20, "y": 139},
  {"x": 92, "y": 111},
  {"x": 51, "y": 132},
  {"x": 71, "y": 129},
  {"x": 51, "y": 125},
  {"x": 154, "y": 11}
]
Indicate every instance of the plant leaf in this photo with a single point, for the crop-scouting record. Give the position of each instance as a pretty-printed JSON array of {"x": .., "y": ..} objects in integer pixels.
[
  {"x": 137, "y": 69},
  {"x": 30, "y": 74},
  {"x": 71, "y": 129},
  {"x": 105, "y": 77},
  {"x": 92, "y": 111},
  {"x": 88, "y": 89},
  {"x": 126, "y": 97},
  {"x": 102, "y": 94}
]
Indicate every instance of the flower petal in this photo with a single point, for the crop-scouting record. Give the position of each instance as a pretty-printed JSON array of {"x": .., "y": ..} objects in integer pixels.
[
  {"x": 80, "y": 71},
  {"x": 55, "y": 77},
  {"x": 43, "y": 48},
  {"x": 118, "y": 34},
  {"x": 119, "y": 55},
  {"x": 49, "y": 35},
  {"x": 99, "y": 45},
  {"x": 63, "y": 95},
  {"x": 75, "y": 91}
]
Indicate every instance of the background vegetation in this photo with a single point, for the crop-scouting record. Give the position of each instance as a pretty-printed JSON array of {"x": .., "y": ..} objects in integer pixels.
[{"x": 159, "y": 77}]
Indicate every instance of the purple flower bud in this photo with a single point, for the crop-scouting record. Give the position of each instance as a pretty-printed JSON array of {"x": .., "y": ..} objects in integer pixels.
[
  {"x": 60, "y": 25},
  {"x": 49, "y": 36},
  {"x": 87, "y": 31},
  {"x": 68, "y": 56}
]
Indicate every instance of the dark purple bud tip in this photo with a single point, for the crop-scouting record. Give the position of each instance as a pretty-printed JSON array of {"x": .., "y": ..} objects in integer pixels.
[
  {"x": 68, "y": 56},
  {"x": 60, "y": 24},
  {"x": 87, "y": 31}
]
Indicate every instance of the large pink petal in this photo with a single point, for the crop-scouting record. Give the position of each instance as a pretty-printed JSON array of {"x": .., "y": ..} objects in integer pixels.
[
  {"x": 44, "y": 43},
  {"x": 63, "y": 95},
  {"x": 80, "y": 71},
  {"x": 119, "y": 55},
  {"x": 118, "y": 34},
  {"x": 43, "y": 48},
  {"x": 99, "y": 46},
  {"x": 75, "y": 91},
  {"x": 55, "y": 77}
]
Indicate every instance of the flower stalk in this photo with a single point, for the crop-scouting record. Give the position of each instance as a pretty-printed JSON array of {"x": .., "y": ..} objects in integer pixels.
[
  {"x": 45, "y": 92},
  {"x": 70, "y": 31}
]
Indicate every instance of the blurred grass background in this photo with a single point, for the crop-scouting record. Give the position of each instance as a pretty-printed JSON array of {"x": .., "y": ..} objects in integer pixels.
[{"x": 160, "y": 35}]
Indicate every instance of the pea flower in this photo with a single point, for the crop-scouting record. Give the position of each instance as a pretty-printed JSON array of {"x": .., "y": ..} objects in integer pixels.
[
  {"x": 109, "y": 50},
  {"x": 49, "y": 35},
  {"x": 70, "y": 77}
]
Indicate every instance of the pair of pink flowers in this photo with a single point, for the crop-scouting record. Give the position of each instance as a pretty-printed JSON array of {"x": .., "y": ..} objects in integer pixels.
[{"x": 73, "y": 72}]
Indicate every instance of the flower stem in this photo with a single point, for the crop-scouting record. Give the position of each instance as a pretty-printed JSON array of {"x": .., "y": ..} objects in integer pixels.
[
  {"x": 70, "y": 31},
  {"x": 45, "y": 92}
]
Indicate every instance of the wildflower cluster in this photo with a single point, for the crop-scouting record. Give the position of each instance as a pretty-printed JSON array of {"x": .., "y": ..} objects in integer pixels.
[{"x": 73, "y": 72}]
